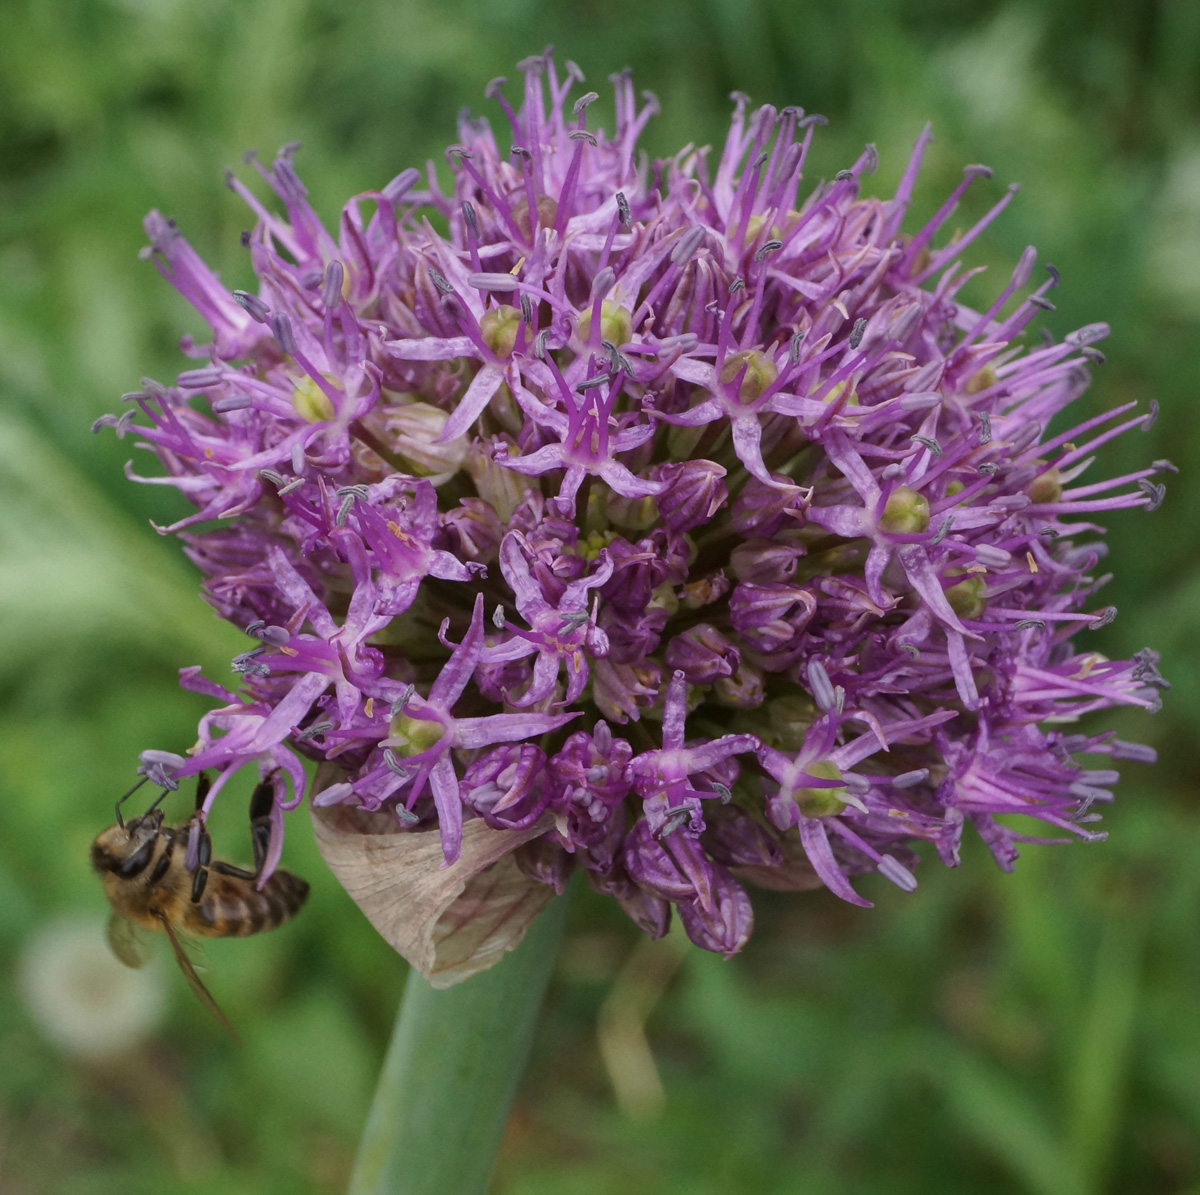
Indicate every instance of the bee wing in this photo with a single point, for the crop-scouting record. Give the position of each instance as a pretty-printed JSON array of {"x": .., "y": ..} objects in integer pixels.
[
  {"x": 126, "y": 941},
  {"x": 194, "y": 980}
]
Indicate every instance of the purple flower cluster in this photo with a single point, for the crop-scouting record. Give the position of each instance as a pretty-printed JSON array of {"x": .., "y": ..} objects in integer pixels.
[{"x": 697, "y": 519}]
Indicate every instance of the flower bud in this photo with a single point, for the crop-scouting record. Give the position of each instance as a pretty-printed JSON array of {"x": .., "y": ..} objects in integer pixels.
[
  {"x": 702, "y": 654},
  {"x": 765, "y": 561},
  {"x": 412, "y": 432},
  {"x": 502, "y": 489},
  {"x": 744, "y": 690},
  {"x": 693, "y": 492},
  {"x": 771, "y": 617}
]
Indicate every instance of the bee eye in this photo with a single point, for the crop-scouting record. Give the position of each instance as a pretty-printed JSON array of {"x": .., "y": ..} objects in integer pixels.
[{"x": 136, "y": 863}]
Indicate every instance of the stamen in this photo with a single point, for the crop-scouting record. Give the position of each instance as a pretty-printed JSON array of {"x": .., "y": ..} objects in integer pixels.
[
  {"x": 281, "y": 329},
  {"x": 254, "y": 307},
  {"x": 398, "y": 706},
  {"x": 1155, "y": 493},
  {"x": 821, "y": 686}
]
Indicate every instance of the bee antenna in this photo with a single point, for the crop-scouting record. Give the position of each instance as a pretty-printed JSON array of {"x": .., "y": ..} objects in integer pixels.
[
  {"x": 120, "y": 819},
  {"x": 157, "y": 802}
]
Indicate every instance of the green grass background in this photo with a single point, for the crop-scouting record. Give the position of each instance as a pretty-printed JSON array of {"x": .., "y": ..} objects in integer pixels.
[{"x": 1031, "y": 1033}]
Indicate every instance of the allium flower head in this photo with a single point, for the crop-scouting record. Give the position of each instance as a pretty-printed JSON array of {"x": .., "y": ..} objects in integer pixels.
[{"x": 676, "y": 520}]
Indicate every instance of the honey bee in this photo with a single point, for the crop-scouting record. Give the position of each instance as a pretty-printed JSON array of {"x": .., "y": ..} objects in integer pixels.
[{"x": 148, "y": 881}]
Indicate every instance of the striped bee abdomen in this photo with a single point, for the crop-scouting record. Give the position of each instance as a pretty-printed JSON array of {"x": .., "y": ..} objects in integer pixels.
[{"x": 232, "y": 907}]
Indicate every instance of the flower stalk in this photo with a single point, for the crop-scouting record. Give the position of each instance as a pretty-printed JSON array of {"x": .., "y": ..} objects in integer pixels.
[{"x": 451, "y": 1072}]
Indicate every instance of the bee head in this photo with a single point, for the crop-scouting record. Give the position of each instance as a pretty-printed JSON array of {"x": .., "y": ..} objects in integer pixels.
[{"x": 126, "y": 850}]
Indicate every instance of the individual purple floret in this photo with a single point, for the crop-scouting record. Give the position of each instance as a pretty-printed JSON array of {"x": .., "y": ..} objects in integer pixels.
[{"x": 633, "y": 448}]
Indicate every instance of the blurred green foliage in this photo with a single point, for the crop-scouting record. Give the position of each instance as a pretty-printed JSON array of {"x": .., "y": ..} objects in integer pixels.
[{"x": 1030, "y": 1033}]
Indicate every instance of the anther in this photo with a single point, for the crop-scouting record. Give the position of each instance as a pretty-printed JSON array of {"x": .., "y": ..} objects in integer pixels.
[
  {"x": 281, "y": 329},
  {"x": 1029, "y": 624},
  {"x": 588, "y": 97},
  {"x": 1041, "y": 302},
  {"x": 440, "y": 282},
  {"x": 767, "y": 249},
  {"x": 985, "y": 428},
  {"x": 736, "y": 285},
  {"x": 235, "y": 402},
  {"x": 498, "y": 618},
  {"x": 331, "y": 290},
  {"x": 472, "y": 220},
  {"x": 199, "y": 379},
  {"x": 856, "y": 335},
  {"x": 398, "y": 706},
  {"x": 394, "y": 765},
  {"x": 526, "y": 309},
  {"x": 1103, "y": 618},
  {"x": 312, "y": 731},
  {"x": 822, "y": 687},
  {"x": 942, "y": 531},
  {"x": 273, "y": 477},
  {"x": 1055, "y": 277},
  {"x": 1154, "y": 491},
  {"x": 406, "y": 815},
  {"x": 927, "y": 442},
  {"x": 988, "y": 468},
  {"x": 794, "y": 348},
  {"x": 583, "y": 135},
  {"x": 624, "y": 218},
  {"x": 844, "y": 176},
  {"x": 253, "y": 306},
  {"x": 725, "y": 793},
  {"x": 673, "y": 821},
  {"x": 597, "y": 380},
  {"x": 1151, "y": 415}
]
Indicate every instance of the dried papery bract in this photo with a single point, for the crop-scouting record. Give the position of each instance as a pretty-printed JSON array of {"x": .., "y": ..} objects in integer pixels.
[{"x": 448, "y": 922}]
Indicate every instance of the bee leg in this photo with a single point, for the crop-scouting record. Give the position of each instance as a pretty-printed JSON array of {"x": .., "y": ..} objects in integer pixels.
[
  {"x": 199, "y": 880},
  {"x": 160, "y": 868},
  {"x": 203, "y": 784},
  {"x": 204, "y": 847},
  {"x": 229, "y": 869},
  {"x": 262, "y": 802}
]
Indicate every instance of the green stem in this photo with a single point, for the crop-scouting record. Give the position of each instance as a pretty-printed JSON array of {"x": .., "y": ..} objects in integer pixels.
[{"x": 451, "y": 1072}]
